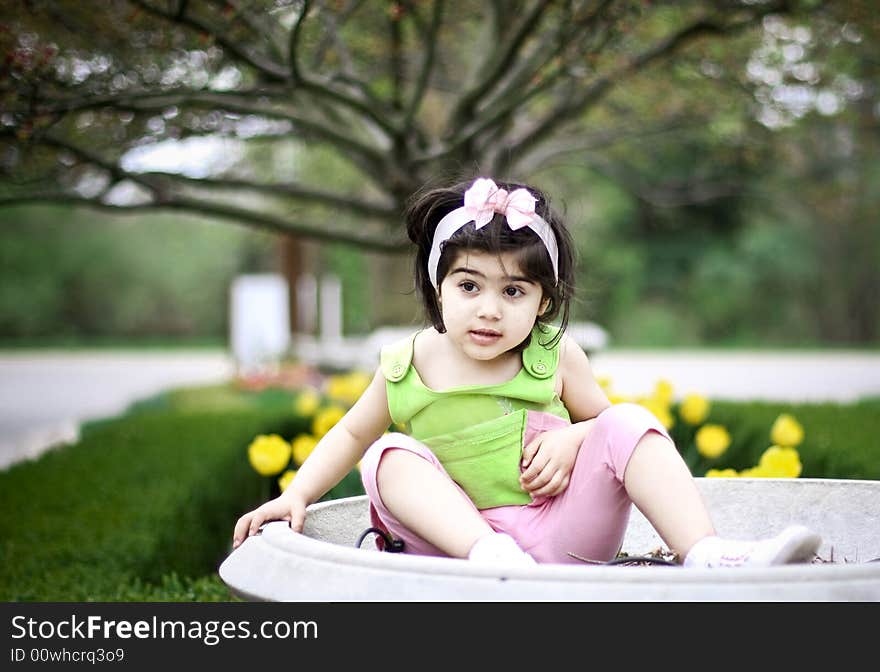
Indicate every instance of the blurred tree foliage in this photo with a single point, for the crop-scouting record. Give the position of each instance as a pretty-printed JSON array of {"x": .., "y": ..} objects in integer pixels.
[
  {"x": 717, "y": 159},
  {"x": 754, "y": 219},
  {"x": 69, "y": 277}
]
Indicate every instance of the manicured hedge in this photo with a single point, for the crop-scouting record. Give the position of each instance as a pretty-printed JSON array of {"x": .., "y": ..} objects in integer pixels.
[{"x": 141, "y": 508}]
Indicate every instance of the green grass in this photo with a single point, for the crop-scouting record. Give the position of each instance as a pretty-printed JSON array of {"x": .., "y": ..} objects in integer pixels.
[
  {"x": 135, "y": 502},
  {"x": 142, "y": 507}
]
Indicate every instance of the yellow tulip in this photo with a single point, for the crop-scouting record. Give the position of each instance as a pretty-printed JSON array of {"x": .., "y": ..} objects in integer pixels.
[
  {"x": 286, "y": 478},
  {"x": 786, "y": 431},
  {"x": 269, "y": 454},
  {"x": 347, "y": 388},
  {"x": 307, "y": 402},
  {"x": 325, "y": 419},
  {"x": 302, "y": 446},
  {"x": 694, "y": 409},
  {"x": 781, "y": 462},
  {"x": 663, "y": 392},
  {"x": 712, "y": 440},
  {"x": 721, "y": 473}
]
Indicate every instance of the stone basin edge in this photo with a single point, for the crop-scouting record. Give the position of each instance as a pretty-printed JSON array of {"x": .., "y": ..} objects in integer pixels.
[{"x": 312, "y": 556}]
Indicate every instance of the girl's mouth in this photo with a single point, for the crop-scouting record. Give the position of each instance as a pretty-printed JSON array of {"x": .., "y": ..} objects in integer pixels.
[{"x": 484, "y": 336}]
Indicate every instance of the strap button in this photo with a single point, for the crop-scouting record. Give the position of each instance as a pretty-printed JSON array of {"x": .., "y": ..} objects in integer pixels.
[{"x": 540, "y": 367}]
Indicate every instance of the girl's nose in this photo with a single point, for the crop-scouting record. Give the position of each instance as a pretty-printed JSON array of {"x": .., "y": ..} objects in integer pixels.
[{"x": 489, "y": 308}]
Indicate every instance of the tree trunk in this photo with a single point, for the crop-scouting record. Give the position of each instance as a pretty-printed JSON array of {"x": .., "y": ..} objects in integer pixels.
[{"x": 291, "y": 260}]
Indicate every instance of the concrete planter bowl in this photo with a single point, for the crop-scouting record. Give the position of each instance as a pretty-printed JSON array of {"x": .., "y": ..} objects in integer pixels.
[{"x": 323, "y": 565}]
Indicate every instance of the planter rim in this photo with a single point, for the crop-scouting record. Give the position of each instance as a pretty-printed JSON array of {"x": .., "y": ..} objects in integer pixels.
[{"x": 404, "y": 574}]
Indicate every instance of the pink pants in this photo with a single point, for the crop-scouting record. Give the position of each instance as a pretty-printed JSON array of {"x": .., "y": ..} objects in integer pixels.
[{"x": 588, "y": 518}]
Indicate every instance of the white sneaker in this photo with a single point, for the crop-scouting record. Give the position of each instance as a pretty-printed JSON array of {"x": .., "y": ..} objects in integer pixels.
[
  {"x": 794, "y": 544},
  {"x": 499, "y": 549}
]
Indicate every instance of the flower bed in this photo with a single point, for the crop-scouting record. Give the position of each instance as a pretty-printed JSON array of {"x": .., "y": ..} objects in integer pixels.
[
  {"x": 142, "y": 507},
  {"x": 704, "y": 441},
  {"x": 716, "y": 439}
]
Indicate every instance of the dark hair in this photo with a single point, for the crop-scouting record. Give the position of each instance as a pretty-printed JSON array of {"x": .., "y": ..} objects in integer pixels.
[{"x": 427, "y": 208}]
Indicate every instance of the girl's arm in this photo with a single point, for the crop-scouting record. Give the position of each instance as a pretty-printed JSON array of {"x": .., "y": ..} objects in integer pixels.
[
  {"x": 548, "y": 460},
  {"x": 336, "y": 454},
  {"x": 581, "y": 394},
  {"x": 342, "y": 447}
]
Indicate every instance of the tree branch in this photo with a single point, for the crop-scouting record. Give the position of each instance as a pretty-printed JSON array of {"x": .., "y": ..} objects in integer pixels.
[
  {"x": 300, "y": 193},
  {"x": 369, "y": 157},
  {"x": 256, "y": 26},
  {"x": 268, "y": 69},
  {"x": 518, "y": 89},
  {"x": 498, "y": 63},
  {"x": 325, "y": 88},
  {"x": 581, "y": 144},
  {"x": 368, "y": 105},
  {"x": 162, "y": 184},
  {"x": 318, "y": 231},
  {"x": 113, "y": 169},
  {"x": 573, "y": 106},
  {"x": 572, "y": 30},
  {"x": 331, "y": 37},
  {"x": 293, "y": 43},
  {"x": 426, "y": 69},
  {"x": 395, "y": 60},
  {"x": 379, "y": 242},
  {"x": 158, "y": 183},
  {"x": 275, "y": 72},
  {"x": 346, "y": 75}
]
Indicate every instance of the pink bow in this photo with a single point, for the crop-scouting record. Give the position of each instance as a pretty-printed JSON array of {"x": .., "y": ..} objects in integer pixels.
[{"x": 485, "y": 198}]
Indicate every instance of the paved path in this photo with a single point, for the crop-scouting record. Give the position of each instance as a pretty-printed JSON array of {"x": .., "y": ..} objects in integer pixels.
[
  {"x": 44, "y": 396},
  {"x": 806, "y": 376}
]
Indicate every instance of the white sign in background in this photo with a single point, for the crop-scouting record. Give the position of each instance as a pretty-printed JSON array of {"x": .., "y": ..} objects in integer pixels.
[{"x": 259, "y": 321}]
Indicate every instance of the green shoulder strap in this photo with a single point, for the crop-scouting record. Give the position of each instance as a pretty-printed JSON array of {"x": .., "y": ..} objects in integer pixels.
[
  {"x": 395, "y": 358},
  {"x": 539, "y": 360}
]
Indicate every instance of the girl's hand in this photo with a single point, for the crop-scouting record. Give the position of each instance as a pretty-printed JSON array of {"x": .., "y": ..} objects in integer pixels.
[
  {"x": 548, "y": 460},
  {"x": 287, "y": 506}
]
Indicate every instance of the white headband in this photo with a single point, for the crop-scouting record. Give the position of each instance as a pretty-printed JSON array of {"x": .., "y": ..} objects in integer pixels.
[{"x": 481, "y": 201}]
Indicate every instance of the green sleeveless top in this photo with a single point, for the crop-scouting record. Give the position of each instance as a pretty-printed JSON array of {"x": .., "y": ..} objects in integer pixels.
[{"x": 476, "y": 431}]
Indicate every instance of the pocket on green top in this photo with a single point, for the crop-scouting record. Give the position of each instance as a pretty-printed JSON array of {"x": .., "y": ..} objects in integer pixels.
[{"x": 484, "y": 460}]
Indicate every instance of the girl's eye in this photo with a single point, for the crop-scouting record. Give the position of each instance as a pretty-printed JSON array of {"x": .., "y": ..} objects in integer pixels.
[
  {"x": 468, "y": 286},
  {"x": 513, "y": 291}
]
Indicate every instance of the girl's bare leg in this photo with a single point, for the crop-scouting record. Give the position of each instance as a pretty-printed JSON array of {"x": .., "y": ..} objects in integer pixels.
[
  {"x": 428, "y": 503},
  {"x": 659, "y": 483}
]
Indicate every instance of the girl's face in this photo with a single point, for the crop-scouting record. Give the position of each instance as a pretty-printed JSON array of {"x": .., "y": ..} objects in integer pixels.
[{"x": 488, "y": 305}]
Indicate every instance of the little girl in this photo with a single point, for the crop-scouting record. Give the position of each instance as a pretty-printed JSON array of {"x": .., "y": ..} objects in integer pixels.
[{"x": 513, "y": 453}]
